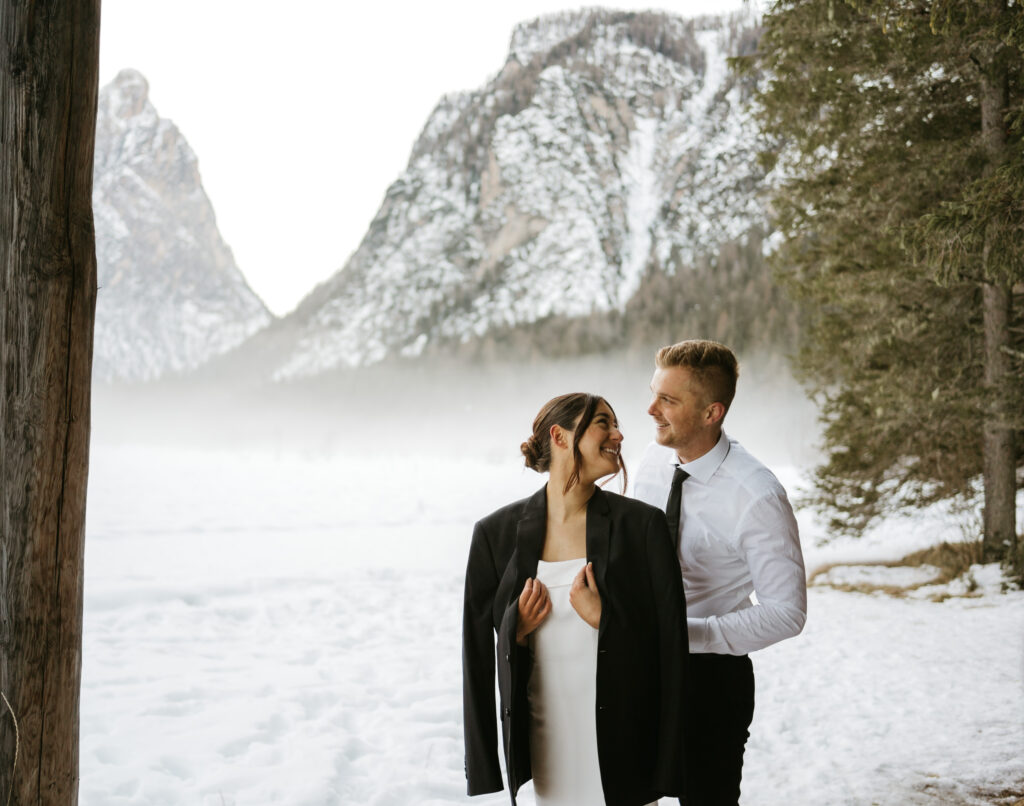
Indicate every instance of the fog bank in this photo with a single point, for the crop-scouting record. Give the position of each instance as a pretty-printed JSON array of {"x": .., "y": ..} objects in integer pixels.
[{"x": 480, "y": 412}]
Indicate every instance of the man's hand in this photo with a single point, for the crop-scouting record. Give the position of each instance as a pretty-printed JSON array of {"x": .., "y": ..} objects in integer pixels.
[
  {"x": 584, "y": 598},
  {"x": 534, "y": 606}
]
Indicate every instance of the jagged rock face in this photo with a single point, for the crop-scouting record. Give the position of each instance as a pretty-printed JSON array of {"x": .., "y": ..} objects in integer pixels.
[
  {"x": 170, "y": 295},
  {"x": 610, "y": 145}
]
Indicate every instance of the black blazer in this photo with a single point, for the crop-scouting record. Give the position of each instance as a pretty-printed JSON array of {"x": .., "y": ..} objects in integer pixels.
[{"x": 642, "y": 647}]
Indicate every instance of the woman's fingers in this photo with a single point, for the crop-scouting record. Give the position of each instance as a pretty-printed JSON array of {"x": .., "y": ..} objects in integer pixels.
[
  {"x": 528, "y": 597},
  {"x": 545, "y": 597},
  {"x": 533, "y": 598},
  {"x": 541, "y": 598},
  {"x": 584, "y": 596},
  {"x": 536, "y": 595},
  {"x": 534, "y": 606}
]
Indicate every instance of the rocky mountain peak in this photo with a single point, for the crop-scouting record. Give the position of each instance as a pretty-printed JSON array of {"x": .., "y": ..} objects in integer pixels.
[
  {"x": 613, "y": 149},
  {"x": 538, "y": 36},
  {"x": 170, "y": 295},
  {"x": 126, "y": 96}
]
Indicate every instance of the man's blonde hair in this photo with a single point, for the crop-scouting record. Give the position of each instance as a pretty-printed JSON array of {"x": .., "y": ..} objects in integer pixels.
[{"x": 712, "y": 364}]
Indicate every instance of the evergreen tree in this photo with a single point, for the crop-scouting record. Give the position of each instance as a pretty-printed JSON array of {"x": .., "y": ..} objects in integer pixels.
[{"x": 895, "y": 127}]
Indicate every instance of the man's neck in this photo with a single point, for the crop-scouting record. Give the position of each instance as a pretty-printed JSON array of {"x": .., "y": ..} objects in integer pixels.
[{"x": 691, "y": 453}]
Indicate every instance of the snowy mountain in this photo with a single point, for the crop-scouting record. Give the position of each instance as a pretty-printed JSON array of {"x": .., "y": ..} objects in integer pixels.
[
  {"x": 170, "y": 295},
  {"x": 611, "y": 150}
]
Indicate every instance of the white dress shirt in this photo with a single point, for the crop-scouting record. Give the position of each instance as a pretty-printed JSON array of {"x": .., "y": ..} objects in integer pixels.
[{"x": 737, "y": 536}]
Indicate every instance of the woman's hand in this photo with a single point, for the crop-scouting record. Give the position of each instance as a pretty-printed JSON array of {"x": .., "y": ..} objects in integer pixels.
[
  {"x": 534, "y": 606},
  {"x": 584, "y": 598}
]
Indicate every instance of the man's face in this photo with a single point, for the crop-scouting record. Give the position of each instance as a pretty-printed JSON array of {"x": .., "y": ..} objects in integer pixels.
[{"x": 683, "y": 419}]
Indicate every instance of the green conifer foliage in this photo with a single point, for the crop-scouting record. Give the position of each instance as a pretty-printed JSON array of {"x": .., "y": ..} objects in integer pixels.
[{"x": 896, "y": 217}]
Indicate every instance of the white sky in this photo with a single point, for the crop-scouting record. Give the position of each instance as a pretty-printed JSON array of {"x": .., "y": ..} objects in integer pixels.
[{"x": 303, "y": 113}]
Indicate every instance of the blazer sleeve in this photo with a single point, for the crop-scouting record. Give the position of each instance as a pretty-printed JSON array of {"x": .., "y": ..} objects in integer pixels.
[
  {"x": 483, "y": 772},
  {"x": 673, "y": 651}
]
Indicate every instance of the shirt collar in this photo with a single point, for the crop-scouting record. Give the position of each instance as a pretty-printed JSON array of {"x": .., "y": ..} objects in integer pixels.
[{"x": 704, "y": 467}]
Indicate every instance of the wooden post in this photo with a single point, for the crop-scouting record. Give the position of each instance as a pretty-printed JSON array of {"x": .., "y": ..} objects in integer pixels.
[{"x": 49, "y": 72}]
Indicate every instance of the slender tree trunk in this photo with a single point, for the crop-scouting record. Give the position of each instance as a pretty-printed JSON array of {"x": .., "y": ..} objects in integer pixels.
[
  {"x": 999, "y": 443},
  {"x": 49, "y": 58}
]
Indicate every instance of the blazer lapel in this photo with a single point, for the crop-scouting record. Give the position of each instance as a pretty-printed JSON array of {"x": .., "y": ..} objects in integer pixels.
[
  {"x": 599, "y": 528},
  {"x": 530, "y": 537},
  {"x": 523, "y": 563}
]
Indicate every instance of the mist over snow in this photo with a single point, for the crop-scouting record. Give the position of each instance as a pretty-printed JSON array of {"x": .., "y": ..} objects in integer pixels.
[{"x": 274, "y": 590}]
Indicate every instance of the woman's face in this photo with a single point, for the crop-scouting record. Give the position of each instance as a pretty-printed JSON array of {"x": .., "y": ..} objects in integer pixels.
[{"x": 600, "y": 444}]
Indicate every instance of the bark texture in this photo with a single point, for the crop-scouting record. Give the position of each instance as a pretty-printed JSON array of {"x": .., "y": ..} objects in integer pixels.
[
  {"x": 999, "y": 439},
  {"x": 999, "y": 446},
  {"x": 49, "y": 57}
]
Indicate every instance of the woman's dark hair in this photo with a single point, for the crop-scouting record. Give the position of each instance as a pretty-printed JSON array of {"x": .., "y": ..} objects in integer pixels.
[{"x": 573, "y": 412}]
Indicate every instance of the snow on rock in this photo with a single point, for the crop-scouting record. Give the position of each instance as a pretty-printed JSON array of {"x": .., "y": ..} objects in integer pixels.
[
  {"x": 535, "y": 38},
  {"x": 609, "y": 145},
  {"x": 170, "y": 295}
]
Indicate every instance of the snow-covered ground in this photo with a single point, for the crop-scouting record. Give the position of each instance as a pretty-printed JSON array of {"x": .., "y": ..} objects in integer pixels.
[{"x": 278, "y": 627}]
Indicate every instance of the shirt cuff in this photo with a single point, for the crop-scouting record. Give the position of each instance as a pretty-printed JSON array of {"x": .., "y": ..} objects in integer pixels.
[{"x": 697, "y": 632}]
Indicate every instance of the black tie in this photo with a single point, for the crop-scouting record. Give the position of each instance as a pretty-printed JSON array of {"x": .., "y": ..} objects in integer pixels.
[{"x": 675, "y": 503}]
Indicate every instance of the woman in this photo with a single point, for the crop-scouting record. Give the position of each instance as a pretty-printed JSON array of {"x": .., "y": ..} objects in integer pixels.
[{"x": 582, "y": 588}]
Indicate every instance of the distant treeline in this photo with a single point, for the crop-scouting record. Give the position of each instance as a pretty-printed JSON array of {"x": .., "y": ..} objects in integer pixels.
[{"x": 730, "y": 297}]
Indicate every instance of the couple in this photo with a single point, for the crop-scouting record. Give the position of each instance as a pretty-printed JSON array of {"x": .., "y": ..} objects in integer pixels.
[{"x": 614, "y": 690}]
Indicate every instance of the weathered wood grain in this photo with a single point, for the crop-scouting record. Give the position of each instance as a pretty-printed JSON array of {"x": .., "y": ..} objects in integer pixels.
[{"x": 49, "y": 61}]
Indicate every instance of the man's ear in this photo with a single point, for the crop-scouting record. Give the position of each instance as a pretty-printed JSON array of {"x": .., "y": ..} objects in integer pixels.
[{"x": 714, "y": 414}]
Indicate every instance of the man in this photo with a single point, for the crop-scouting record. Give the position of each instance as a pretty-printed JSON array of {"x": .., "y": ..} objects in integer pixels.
[{"x": 736, "y": 536}]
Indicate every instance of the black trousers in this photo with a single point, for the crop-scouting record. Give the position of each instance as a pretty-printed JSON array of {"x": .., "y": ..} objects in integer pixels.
[{"x": 720, "y": 699}]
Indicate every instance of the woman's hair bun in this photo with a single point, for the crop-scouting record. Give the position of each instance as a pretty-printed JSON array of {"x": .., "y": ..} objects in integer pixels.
[{"x": 532, "y": 452}]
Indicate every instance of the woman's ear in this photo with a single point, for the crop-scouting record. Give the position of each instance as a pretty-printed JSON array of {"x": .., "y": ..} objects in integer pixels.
[{"x": 558, "y": 436}]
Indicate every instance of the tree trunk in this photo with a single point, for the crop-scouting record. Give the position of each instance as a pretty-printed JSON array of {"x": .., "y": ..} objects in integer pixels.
[
  {"x": 999, "y": 443},
  {"x": 49, "y": 63}
]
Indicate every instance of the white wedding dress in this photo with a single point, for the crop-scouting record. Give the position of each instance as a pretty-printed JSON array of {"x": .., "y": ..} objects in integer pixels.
[{"x": 563, "y": 693}]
